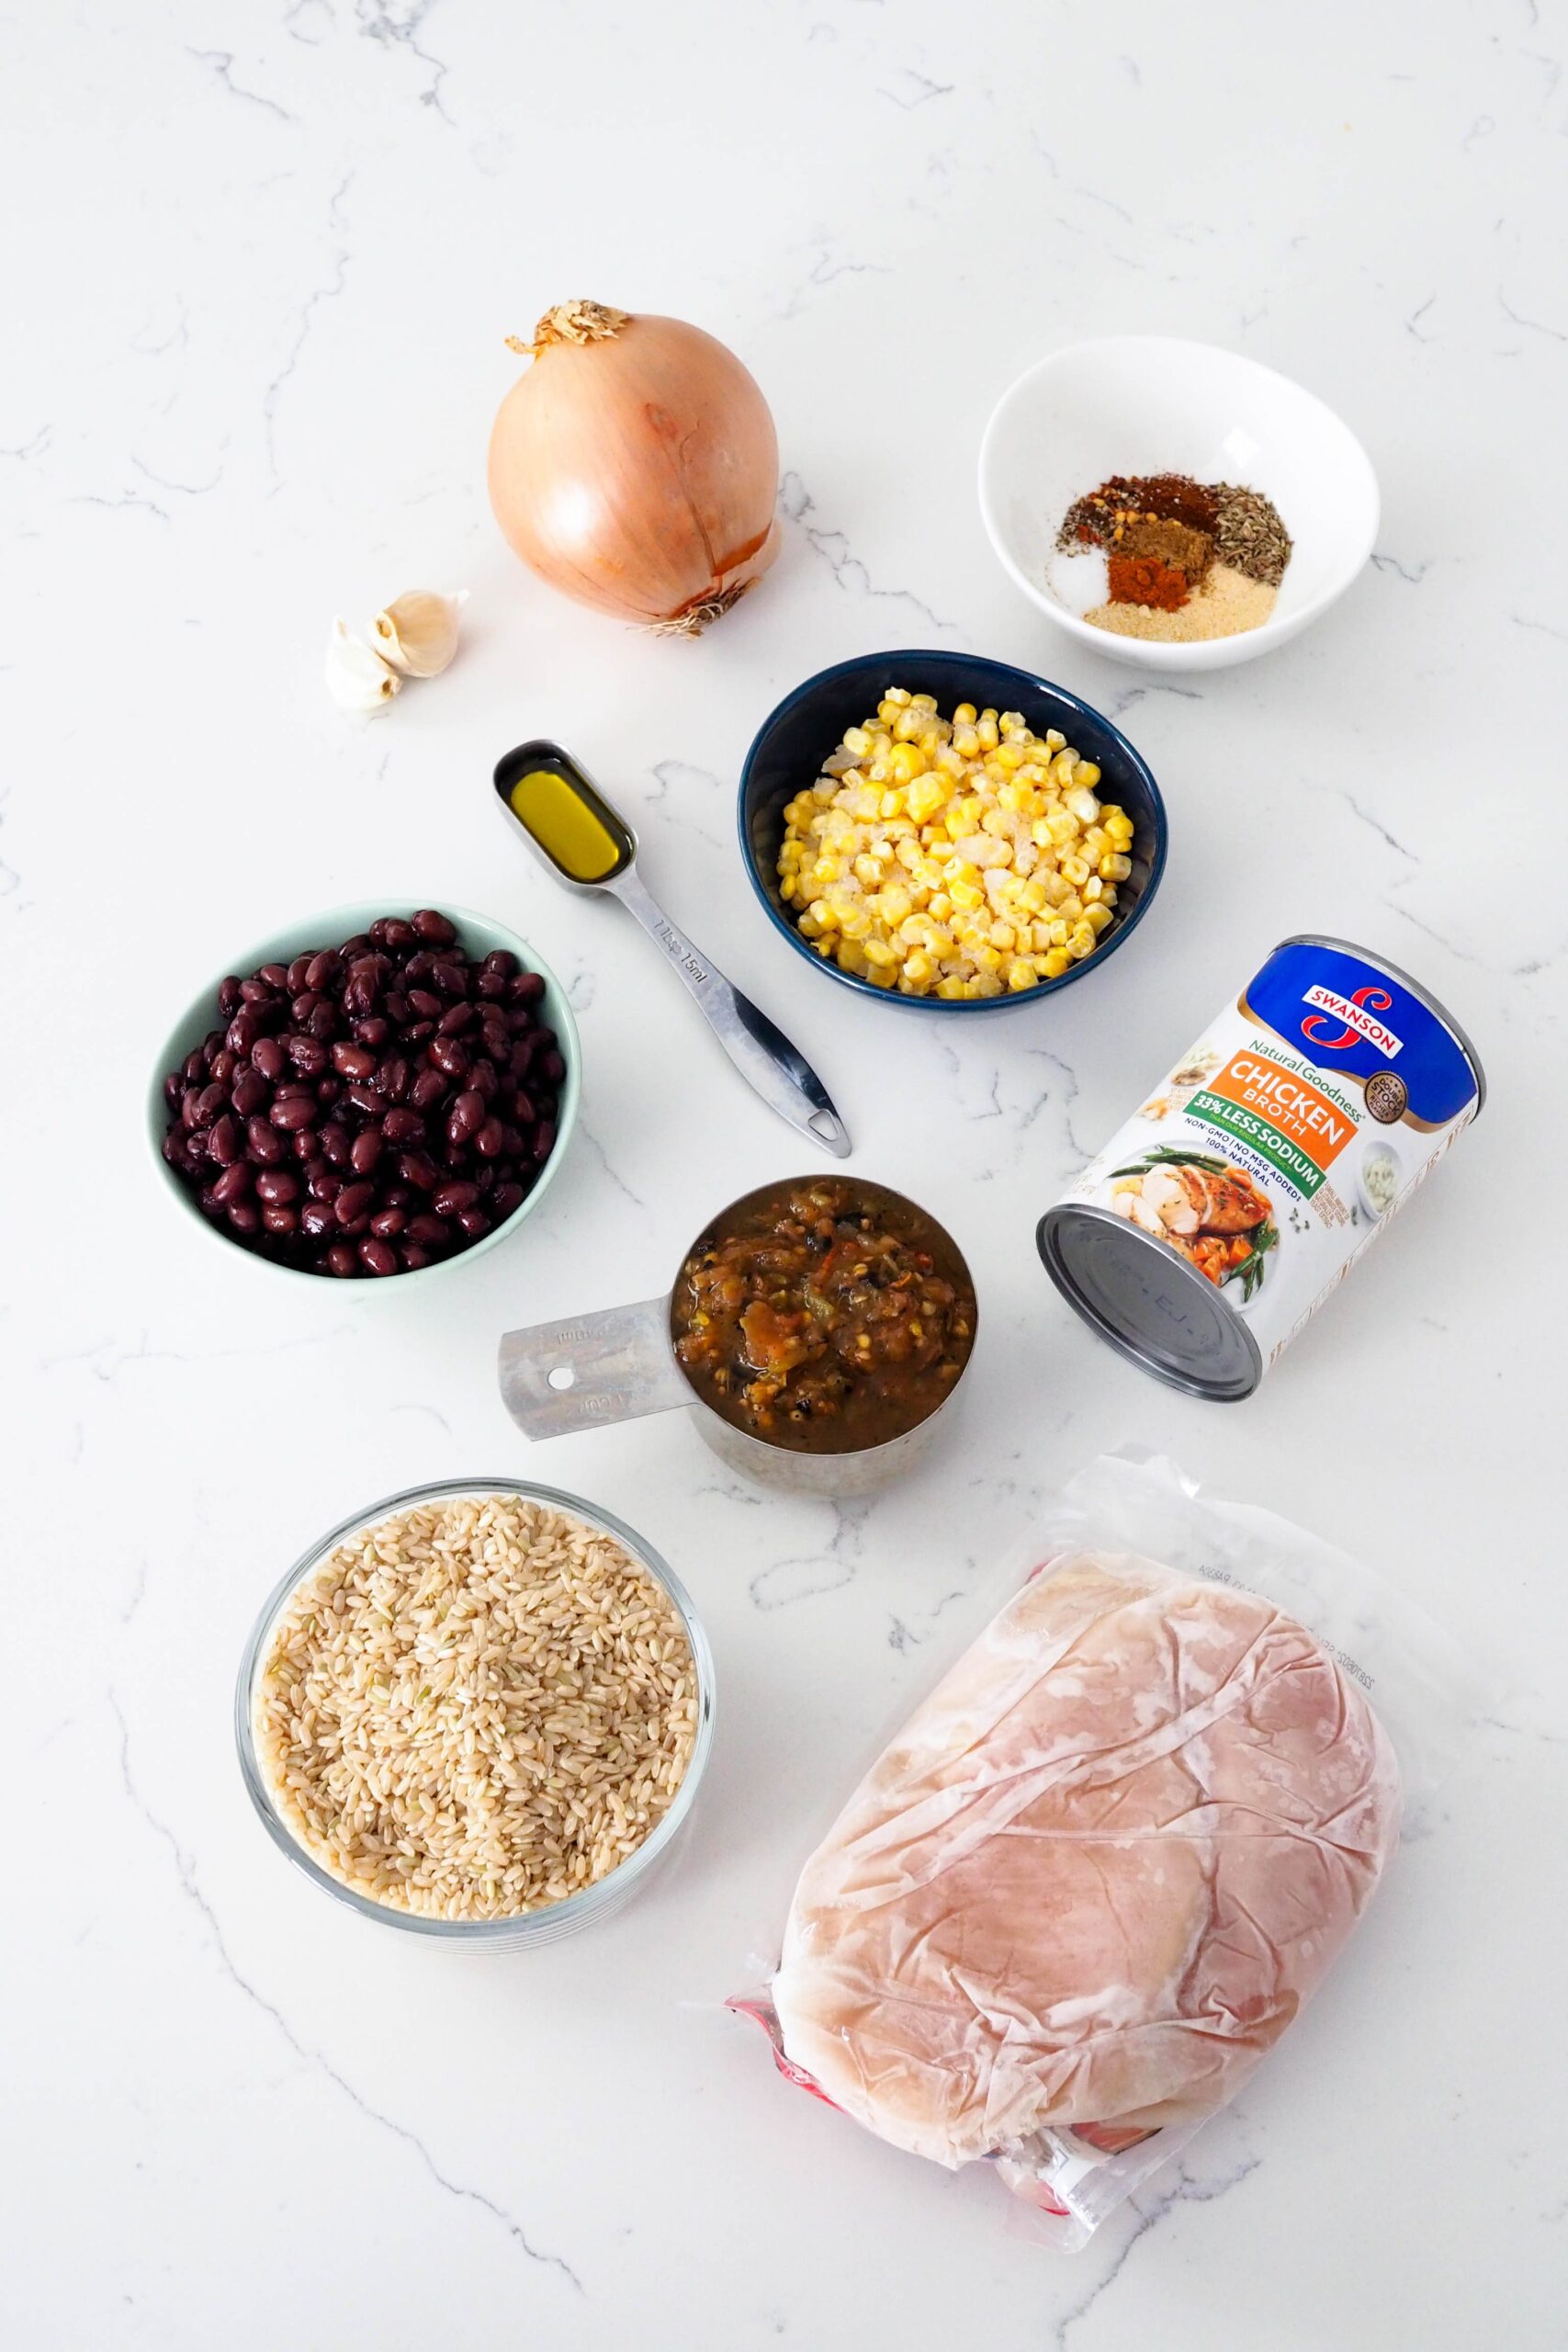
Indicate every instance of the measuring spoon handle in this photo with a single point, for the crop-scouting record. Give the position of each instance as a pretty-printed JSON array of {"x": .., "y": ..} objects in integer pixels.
[{"x": 773, "y": 1068}]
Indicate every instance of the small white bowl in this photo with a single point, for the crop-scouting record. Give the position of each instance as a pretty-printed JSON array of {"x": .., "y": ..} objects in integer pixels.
[{"x": 1149, "y": 404}]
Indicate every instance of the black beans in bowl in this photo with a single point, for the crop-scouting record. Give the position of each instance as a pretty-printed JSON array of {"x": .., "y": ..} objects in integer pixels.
[{"x": 375, "y": 1106}]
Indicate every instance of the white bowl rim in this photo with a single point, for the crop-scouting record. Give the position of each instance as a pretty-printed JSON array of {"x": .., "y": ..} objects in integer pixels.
[
  {"x": 354, "y": 911},
  {"x": 1200, "y": 654},
  {"x": 516, "y": 1927}
]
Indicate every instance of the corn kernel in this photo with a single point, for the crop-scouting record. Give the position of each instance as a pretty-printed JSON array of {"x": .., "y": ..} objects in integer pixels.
[
  {"x": 879, "y": 952},
  {"x": 1098, "y": 917},
  {"x": 952, "y": 990},
  {"x": 1021, "y": 976},
  {"x": 1115, "y": 867}
]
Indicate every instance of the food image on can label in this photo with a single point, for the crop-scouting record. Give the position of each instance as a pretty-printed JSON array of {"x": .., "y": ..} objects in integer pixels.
[{"x": 1264, "y": 1163}]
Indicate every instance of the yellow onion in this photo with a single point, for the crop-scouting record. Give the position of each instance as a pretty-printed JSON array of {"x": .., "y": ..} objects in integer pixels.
[{"x": 635, "y": 467}]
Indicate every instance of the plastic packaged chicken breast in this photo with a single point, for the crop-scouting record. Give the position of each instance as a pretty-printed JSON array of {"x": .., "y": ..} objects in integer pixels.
[{"x": 1101, "y": 1867}]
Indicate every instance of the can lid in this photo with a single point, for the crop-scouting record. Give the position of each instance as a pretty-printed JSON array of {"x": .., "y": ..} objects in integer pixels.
[{"x": 1153, "y": 1307}]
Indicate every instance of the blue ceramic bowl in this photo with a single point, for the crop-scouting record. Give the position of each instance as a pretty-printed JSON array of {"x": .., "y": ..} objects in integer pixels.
[{"x": 792, "y": 744}]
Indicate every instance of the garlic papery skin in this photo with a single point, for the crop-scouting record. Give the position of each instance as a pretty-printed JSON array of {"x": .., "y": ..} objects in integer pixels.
[
  {"x": 357, "y": 678},
  {"x": 418, "y": 631}
]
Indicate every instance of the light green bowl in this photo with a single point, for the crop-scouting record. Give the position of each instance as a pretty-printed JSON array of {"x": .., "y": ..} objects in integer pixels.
[{"x": 477, "y": 935}]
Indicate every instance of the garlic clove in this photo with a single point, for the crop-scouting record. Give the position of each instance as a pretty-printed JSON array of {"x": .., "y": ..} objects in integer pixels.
[
  {"x": 357, "y": 678},
  {"x": 418, "y": 632}
]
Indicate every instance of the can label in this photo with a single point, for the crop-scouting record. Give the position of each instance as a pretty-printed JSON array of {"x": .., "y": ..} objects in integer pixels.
[{"x": 1278, "y": 1149}]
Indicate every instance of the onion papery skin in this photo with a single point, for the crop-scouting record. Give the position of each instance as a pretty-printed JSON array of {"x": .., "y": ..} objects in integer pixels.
[{"x": 637, "y": 471}]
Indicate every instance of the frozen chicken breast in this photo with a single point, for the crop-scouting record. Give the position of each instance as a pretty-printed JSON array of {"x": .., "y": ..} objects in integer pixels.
[{"x": 1095, "y": 1876}]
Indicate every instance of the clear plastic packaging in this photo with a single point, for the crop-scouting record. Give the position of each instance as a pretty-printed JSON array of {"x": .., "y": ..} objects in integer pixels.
[{"x": 1093, "y": 1879}]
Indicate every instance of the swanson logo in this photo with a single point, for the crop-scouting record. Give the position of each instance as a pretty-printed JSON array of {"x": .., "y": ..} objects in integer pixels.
[{"x": 1358, "y": 1014}]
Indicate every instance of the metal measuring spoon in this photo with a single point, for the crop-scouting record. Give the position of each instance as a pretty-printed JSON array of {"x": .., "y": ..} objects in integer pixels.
[{"x": 540, "y": 785}]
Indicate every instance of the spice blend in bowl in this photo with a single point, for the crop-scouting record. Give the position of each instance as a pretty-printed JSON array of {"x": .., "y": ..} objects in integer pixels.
[
  {"x": 474, "y": 1705},
  {"x": 1180, "y": 418},
  {"x": 1184, "y": 561}
]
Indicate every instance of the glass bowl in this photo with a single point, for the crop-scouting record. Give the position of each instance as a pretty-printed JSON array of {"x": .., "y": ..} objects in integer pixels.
[{"x": 553, "y": 1920}]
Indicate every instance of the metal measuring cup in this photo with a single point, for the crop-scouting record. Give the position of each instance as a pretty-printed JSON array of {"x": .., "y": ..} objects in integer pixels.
[{"x": 620, "y": 1363}]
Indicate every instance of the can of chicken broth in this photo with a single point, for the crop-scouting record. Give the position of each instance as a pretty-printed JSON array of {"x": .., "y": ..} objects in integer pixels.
[{"x": 1220, "y": 1217}]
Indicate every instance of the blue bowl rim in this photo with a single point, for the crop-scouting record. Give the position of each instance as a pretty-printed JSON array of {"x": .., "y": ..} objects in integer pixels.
[{"x": 912, "y": 657}]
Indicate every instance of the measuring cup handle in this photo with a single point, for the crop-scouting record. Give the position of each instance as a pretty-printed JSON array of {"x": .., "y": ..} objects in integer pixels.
[{"x": 557, "y": 1377}]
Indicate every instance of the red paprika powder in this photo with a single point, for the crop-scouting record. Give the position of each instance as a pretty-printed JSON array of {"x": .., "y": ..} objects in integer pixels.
[{"x": 1145, "y": 580}]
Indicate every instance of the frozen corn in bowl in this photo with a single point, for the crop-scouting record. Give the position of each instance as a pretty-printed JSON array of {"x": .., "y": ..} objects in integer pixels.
[{"x": 936, "y": 829}]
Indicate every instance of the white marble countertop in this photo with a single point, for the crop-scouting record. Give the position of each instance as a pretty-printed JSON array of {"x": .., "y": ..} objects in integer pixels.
[{"x": 265, "y": 260}]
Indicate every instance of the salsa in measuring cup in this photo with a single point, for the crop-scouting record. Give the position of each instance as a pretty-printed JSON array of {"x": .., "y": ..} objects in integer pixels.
[{"x": 824, "y": 1315}]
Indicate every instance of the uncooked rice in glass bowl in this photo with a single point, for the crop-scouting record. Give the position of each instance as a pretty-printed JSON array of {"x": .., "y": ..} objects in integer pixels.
[{"x": 477, "y": 1709}]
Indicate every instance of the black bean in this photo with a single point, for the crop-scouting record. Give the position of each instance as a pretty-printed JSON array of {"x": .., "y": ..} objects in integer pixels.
[
  {"x": 466, "y": 1117},
  {"x": 432, "y": 928},
  {"x": 308, "y": 1055},
  {"x": 448, "y": 1055},
  {"x": 262, "y": 1144},
  {"x": 223, "y": 1140},
  {"x": 378, "y": 1257}
]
